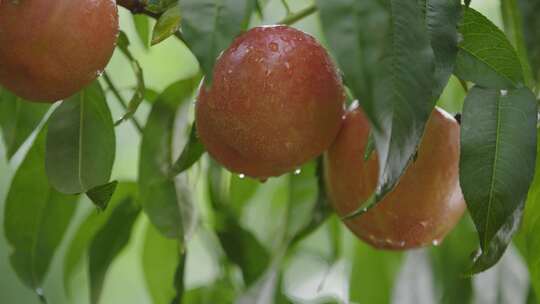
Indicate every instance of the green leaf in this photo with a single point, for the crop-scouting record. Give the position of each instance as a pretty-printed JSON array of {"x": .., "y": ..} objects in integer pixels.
[
  {"x": 101, "y": 195},
  {"x": 142, "y": 27},
  {"x": 531, "y": 28},
  {"x": 36, "y": 218},
  {"x": 319, "y": 212},
  {"x": 209, "y": 26},
  {"x": 243, "y": 249},
  {"x": 160, "y": 200},
  {"x": 442, "y": 18},
  {"x": 81, "y": 142},
  {"x": 485, "y": 56},
  {"x": 140, "y": 89},
  {"x": 513, "y": 25},
  {"x": 373, "y": 274},
  {"x": 108, "y": 242},
  {"x": 356, "y": 31},
  {"x": 159, "y": 259},
  {"x": 167, "y": 24},
  {"x": 450, "y": 260},
  {"x": 191, "y": 153},
  {"x": 400, "y": 103},
  {"x": 93, "y": 222},
  {"x": 220, "y": 291},
  {"x": 18, "y": 119},
  {"x": 498, "y": 152},
  {"x": 179, "y": 285},
  {"x": 527, "y": 237}
]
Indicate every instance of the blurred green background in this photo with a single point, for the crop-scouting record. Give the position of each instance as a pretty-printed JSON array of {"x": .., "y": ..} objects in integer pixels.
[{"x": 315, "y": 273}]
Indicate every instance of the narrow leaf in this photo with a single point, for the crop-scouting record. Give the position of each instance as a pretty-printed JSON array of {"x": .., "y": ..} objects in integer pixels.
[
  {"x": 81, "y": 142},
  {"x": 209, "y": 26},
  {"x": 373, "y": 274},
  {"x": 93, "y": 222},
  {"x": 159, "y": 260},
  {"x": 142, "y": 27},
  {"x": 485, "y": 56},
  {"x": 498, "y": 153},
  {"x": 531, "y": 28},
  {"x": 527, "y": 238},
  {"x": 18, "y": 119},
  {"x": 513, "y": 24},
  {"x": 108, "y": 243},
  {"x": 159, "y": 197},
  {"x": 450, "y": 260},
  {"x": 191, "y": 153},
  {"x": 167, "y": 24},
  {"x": 36, "y": 218},
  {"x": 179, "y": 285}
]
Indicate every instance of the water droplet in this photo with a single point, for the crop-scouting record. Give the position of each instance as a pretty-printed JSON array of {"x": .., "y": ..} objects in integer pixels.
[
  {"x": 229, "y": 71},
  {"x": 504, "y": 92},
  {"x": 274, "y": 46},
  {"x": 436, "y": 242},
  {"x": 39, "y": 291},
  {"x": 401, "y": 244},
  {"x": 297, "y": 171},
  {"x": 287, "y": 65},
  {"x": 242, "y": 176},
  {"x": 99, "y": 73}
]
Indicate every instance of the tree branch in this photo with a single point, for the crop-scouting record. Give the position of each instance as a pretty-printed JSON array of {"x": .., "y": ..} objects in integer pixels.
[{"x": 137, "y": 7}]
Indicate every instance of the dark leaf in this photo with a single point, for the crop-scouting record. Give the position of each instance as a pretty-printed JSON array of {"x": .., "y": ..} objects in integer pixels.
[
  {"x": 179, "y": 280},
  {"x": 191, "y": 153},
  {"x": 485, "y": 56},
  {"x": 81, "y": 142},
  {"x": 159, "y": 6},
  {"x": 402, "y": 100},
  {"x": 498, "y": 153},
  {"x": 108, "y": 242},
  {"x": 243, "y": 249},
  {"x": 18, "y": 118},
  {"x": 101, "y": 195},
  {"x": 162, "y": 203},
  {"x": 36, "y": 218},
  {"x": 159, "y": 259},
  {"x": 93, "y": 222},
  {"x": 209, "y": 26},
  {"x": 442, "y": 18}
]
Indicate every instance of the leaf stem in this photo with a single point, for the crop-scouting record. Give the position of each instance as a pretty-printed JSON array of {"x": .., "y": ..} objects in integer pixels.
[
  {"x": 121, "y": 100},
  {"x": 286, "y": 6},
  {"x": 295, "y": 17}
]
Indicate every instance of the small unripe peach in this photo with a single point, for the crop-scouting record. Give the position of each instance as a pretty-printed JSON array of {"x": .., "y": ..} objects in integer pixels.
[
  {"x": 426, "y": 203},
  {"x": 51, "y": 49},
  {"x": 276, "y": 102}
]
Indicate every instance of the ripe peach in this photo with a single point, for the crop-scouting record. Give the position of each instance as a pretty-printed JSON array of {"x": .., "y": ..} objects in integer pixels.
[
  {"x": 276, "y": 102},
  {"x": 50, "y": 49},
  {"x": 426, "y": 203}
]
